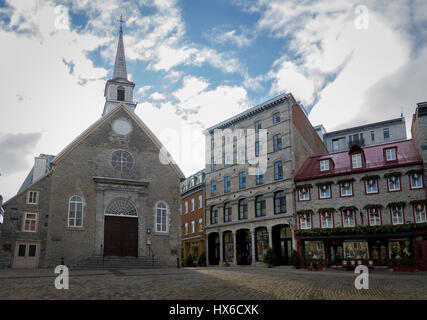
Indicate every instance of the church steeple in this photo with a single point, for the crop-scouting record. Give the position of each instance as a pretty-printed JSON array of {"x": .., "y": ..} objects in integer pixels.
[{"x": 119, "y": 89}]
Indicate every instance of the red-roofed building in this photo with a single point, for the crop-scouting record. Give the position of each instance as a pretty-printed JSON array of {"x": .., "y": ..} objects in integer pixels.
[{"x": 364, "y": 205}]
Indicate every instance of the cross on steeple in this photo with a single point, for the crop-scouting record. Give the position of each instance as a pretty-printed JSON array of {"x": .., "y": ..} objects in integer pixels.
[{"x": 121, "y": 23}]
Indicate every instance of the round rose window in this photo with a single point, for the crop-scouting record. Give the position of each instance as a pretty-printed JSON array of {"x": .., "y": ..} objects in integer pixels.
[{"x": 122, "y": 161}]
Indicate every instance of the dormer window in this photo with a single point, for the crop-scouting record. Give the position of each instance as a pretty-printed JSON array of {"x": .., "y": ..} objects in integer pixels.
[
  {"x": 324, "y": 165},
  {"x": 390, "y": 154},
  {"x": 120, "y": 94},
  {"x": 356, "y": 160}
]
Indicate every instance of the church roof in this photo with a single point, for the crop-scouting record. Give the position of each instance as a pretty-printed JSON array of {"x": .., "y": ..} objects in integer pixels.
[
  {"x": 120, "y": 64},
  {"x": 29, "y": 179}
]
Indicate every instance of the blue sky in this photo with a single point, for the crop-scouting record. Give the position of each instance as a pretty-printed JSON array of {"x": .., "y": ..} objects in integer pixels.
[{"x": 196, "y": 63}]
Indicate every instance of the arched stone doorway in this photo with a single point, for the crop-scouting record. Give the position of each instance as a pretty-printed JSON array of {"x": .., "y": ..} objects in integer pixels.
[
  {"x": 121, "y": 229},
  {"x": 282, "y": 243},
  {"x": 244, "y": 247},
  {"x": 213, "y": 248}
]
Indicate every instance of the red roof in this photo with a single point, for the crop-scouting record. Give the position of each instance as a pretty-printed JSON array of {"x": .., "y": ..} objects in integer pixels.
[{"x": 374, "y": 159}]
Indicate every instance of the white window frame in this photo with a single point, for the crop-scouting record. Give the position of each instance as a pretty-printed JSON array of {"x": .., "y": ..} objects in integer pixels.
[
  {"x": 374, "y": 216},
  {"x": 326, "y": 220},
  {"x": 200, "y": 201},
  {"x": 356, "y": 161},
  {"x": 420, "y": 180},
  {"x": 30, "y": 192},
  {"x": 307, "y": 221},
  {"x": 36, "y": 219},
  {"x": 193, "y": 226},
  {"x": 396, "y": 183},
  {"x": 304, "y": 196},
  {"x": 165, "y": 220},
  {"x": 420, "y": 213},
  {"x": 346, "y": 219},
  {"x": 390, "y": 154},
  {"x": 186, "y": 228},
  {"x": 349, "y": 190},
  {"x": 324, "y": 165},
  {"x": 367, "y": 187},
  {"x": 200, "y": 224},
  {"x": 326, "y": 194},
  {"x": 193, "y": 204},
  {"x": 186, "y": 206},
  {"x": 69, "y": 212},
  {"x": 397, "y": 219}
]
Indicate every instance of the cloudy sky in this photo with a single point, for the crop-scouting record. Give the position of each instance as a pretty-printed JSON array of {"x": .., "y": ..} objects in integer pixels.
[{"x": 198, "y": 62}]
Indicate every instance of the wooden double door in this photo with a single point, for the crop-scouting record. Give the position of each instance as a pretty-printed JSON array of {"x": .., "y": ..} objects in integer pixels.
[{"x": 120, "y": 236}]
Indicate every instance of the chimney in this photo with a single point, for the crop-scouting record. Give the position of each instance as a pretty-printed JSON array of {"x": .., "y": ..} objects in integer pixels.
[{"x": 40, "y": 165}]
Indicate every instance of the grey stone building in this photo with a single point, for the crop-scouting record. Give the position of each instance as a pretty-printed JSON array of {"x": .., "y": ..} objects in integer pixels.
[
  {"x": 365, "y": 204},
  {"x": 365, "y": 135},
  {"x": 105, "y": 194},
  {"x": 251, "y": 160}
]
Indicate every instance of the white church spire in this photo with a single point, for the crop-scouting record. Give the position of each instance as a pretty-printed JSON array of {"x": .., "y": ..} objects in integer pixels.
[{"x": 119, "y": 89}]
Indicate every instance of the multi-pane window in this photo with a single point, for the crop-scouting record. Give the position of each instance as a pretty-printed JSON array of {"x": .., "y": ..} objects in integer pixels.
[
  {"x": 346, "y": 189},
  {"x": 325, "y": 191},
  {"x": 390, "y": 154},
  {"x": 75, "y": 212},
  {"x": 192, "y": 204},
  {"x": 227, "y": 184},
  {"x": 213, "y": 164},
  {"x": 260, "y": 206},
  {"x": 200, "y": 224},
  {"x": 243, "y": 209},
  {"x": 386, "y": 132},
  {"x": 227, "y": 212},
  {"x": 186, "y": 206},
  {"x": 242, "y": 180},
  {"x": 30, "y": 222},
  {"x": 186, "y": 228},
  {"x": 278, "y": 170},
  {"x": 324, "y": 165},
  {"x": 259, "y": 177},
  {"x": 420, "y": 213},
  {"x": 374, "y": 217},
  {"x": 200, "y": 201},
  {"x": 193, "y": 226},
  {"x": 213, "y": 188},
  {"x": 161, "y": 218},
  {"x": 257, "y": 125},
  {"x": 32, "y": 197},
  {"x": 305, "y": 221},
  {"x": 122, "y": 161},
  {"x": 277, "y": 142},
  {"x": 279, "y": 202},
  {"x": 214, "y": 215},
  {"x": 256, "y": 148},
  {"x": 371, "y": 186},
  {"x": 416, "y": 181},
  {"x": 349, "y": 218},
  {"x": 276, "y": 117},
  {"x": 326, "y": 220},
  {"x": 397, "y": 214},
  {"x": 393, "y": 183},
  {"x": 356, "y": 160},
  {"x": 303, "y": 194}
]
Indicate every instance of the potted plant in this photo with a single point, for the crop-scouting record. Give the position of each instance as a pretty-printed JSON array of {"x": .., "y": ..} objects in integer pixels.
[{"x": 269, "y": 258}]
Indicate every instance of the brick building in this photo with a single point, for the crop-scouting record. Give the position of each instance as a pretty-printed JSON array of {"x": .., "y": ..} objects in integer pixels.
[
  {"x": 193, "y": 216},
  {"x": 106, "y": 194},
  {"x": 365, "y": 204},
  {"x": 251, "y": 160}
]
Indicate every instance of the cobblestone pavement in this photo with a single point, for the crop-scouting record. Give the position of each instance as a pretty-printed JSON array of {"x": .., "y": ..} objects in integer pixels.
[{"x": 212, "y": 283}]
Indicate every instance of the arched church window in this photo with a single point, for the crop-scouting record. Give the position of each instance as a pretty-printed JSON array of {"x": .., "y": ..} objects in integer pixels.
[
  {"x": 75, "y": 212},
  {"x": 120, "y": 94},
  {"x": 121, "y": 207},
  {"x": 122, "y": 161},
  {"x": 161, "y": 217}
]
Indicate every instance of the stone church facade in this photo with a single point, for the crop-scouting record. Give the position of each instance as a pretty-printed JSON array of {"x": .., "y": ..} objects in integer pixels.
[{"x": 106, "y": 194}]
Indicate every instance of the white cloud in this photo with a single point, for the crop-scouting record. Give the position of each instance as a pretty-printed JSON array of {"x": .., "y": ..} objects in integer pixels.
[
  {"x": 157, "y": 96},
  {"x": 143, "y": 90}
]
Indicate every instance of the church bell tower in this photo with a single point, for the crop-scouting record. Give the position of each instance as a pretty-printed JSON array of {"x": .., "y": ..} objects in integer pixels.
[{"x": 119, "y": 89}]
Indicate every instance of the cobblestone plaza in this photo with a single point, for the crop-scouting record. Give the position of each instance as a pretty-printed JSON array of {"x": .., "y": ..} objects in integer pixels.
[{"x": 212, "y": 283}]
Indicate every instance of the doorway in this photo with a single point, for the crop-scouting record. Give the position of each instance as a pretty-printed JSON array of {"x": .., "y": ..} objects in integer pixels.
[
  {"x": 378, "y": 251},
  {"x": 213, "y": 248},
  {"x": 282, "y": 243},
  {"x": 244, "y": 247},
  {"x": 334, "y": 252},
  {"x": 120, "y": 236}
]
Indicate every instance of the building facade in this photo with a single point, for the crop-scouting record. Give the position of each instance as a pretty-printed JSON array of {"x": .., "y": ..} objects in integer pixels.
[
  {"x": 193, "y": 217},
  {"x": 365, "y": 135},
  {"x": 365, "y": 204},
  {"x": 106, "y": 194},
  {"x": 251, "y": 160}
]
